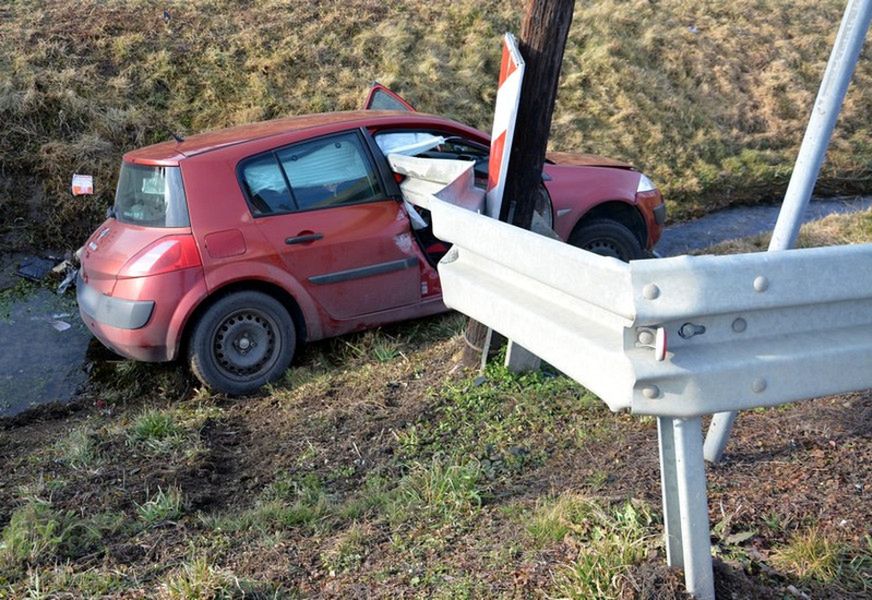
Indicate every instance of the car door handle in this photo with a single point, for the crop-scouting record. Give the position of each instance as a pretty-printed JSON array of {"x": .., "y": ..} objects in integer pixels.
[{"x": 304, "y": 238}]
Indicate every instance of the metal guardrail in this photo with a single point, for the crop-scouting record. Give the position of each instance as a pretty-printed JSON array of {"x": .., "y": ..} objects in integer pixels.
[{"x": 741, "y": 331}]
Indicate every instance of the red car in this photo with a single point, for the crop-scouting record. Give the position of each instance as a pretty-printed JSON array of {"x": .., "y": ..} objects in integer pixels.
[{"x": 232, "y": 247}]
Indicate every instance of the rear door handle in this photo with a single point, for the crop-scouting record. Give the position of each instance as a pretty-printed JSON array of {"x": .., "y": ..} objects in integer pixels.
[{"x": 304, "y": 238}]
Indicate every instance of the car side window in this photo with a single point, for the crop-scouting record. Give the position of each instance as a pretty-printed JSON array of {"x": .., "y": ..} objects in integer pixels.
[
  {"x": 435, "y": 144},
  {"x": 330, "y": 171},
  {"x": 265, "y": 185}
]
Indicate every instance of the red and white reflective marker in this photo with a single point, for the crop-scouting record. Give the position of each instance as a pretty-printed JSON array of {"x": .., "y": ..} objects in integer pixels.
[
  {"x": 505, "y": 115},
  {"x": 660, "y": 344},
  {"x": 83, "y": 185}
]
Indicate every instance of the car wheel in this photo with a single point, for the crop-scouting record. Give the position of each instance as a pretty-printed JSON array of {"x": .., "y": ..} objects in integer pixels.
[
  {"x": 607, "y": 238},
  {"x": 241, "y": 342}
]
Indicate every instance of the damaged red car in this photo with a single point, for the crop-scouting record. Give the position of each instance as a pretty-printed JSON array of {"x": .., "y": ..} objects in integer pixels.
[{"x": 229, "y": 249}]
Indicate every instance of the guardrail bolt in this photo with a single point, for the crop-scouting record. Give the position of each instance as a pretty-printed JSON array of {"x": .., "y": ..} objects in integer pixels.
[
  {"x": 651, "y": 392},
  {"x": 651, "y": 291},
  {"x": 758, "y": 385},
  {"x": 740, "y": 325},
  {"x": 645, "y": 337},
  {"x": 761, "y": 284},
  {"x": 688, "y": 330}
]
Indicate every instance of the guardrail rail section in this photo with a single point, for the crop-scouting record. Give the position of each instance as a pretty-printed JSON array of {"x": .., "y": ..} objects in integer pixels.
[{"x": 676, "y": 338}]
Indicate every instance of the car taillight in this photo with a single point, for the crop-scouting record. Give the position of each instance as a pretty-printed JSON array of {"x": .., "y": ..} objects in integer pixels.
[{"x": 171, "y": 253}]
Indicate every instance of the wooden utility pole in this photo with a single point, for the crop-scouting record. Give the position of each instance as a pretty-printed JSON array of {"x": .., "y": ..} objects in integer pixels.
[
  {"x": 544, "y": 31},
  {"x": 542, "y": 42}
]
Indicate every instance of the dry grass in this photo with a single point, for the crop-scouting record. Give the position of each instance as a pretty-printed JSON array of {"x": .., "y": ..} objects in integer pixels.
[{"x": 710, "y": 98}]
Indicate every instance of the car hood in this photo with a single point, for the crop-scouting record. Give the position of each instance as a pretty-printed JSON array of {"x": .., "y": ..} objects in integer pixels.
[{"x": 585, "y": 160}]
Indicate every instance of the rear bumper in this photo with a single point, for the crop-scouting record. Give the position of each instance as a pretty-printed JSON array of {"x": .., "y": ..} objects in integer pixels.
[
  {"x": 114, "y": 312},
  {"x": 133, "y": 325}
]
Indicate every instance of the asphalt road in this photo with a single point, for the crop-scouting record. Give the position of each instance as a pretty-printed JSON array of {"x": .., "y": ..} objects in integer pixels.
[
  {"x": 744, "y": 221},
  {"x": 42, "y": 351}
]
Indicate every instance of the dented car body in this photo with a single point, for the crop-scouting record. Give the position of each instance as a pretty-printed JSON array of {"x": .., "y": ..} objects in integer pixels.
[{"x": 232, "y": 247}]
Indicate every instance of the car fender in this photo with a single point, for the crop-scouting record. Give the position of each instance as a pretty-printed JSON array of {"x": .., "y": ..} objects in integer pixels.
[
  {"x": 575, "y": 191},
  {"x": 184, "y": 309},
  {"x": 239, "y": 272}
]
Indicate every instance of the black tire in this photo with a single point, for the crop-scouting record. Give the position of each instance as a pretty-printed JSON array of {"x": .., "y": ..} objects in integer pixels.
[
  {"x": 607, "y": 238},
  {"x": 241, "y": 342}
]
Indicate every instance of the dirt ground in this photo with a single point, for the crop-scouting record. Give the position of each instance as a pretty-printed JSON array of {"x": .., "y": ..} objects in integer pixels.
[{"x": 380, "y": 468}]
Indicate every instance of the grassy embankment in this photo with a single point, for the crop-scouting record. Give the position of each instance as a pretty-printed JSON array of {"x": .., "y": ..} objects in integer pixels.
[
  {"x": 378, "y": 468},
  {"x": 709, "y": 98}
]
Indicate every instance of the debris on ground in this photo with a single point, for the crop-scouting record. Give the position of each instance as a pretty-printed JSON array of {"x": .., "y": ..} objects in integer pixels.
[{"x": 35, "y": 268}]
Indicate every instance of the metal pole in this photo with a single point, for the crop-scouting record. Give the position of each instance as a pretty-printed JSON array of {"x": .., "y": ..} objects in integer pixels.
[
  {"x": 669, "y": 491},
  {"x": 840, "y": 68},
  {"x": 693, "y": 508}
]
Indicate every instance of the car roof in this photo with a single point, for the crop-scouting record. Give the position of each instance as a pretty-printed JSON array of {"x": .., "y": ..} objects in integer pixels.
[{"x": 171, "y": 152}]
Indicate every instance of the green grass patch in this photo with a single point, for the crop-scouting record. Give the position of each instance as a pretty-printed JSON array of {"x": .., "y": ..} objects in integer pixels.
[
  {"x": 440, "y": 489},
  {"x": 165, "y": 505},
  {"x": 288, "y": 503},
  {"x": 80, "y": 449},
  {"x": 610, "y": 539},
  {"x": 200, "y": 579},
  {"x": 347, "y": 552},
  {"x": 64, "y": 581},
  {"x": 507, "y": 422},
  {"x": 39, "y": 533},
  {"x": 813, "y": 555},
  {"x": 171, "y": 431}
]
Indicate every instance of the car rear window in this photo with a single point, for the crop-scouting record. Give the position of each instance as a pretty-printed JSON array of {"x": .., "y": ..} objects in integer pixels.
[
  {"x": 266, "y": 186},
  {"x": 151, "y": 196}
]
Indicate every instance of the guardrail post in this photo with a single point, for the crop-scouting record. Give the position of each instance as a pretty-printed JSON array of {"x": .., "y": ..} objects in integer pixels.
[
  {"x": 669, "y": 491},
  {"x": 828, "y": 104},
  {"x": 685, "y": 506}
]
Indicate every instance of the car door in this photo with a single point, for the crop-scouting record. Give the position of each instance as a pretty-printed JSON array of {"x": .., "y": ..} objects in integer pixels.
[
  {"x": 322, "y": 205},
  {"x": 382, "y": 98}
]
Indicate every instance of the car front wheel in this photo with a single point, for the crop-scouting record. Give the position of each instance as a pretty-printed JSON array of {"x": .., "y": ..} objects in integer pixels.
[
  {"x": 607, "y": 238},
  {"x": 241, "y": 342}
]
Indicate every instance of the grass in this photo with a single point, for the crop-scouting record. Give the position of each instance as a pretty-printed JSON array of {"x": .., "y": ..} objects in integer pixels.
[
  {"x": 201, "y": 580},
  {"x": 505, "y": 421},
  {"x": 161, "y": 507},
  {"x": 609, "y": 541},
  {"x": 710, "y": 100},
  {"x": 288, "y": 503},
  {"x": 39, "y": 533},
  {"x": 815, "y": 555},
  {"x": 439, "y": 489},
  {"x": 347, "y": 552},
  {"x": 171, "y": 432},
  {"x": 63, "y": 580},
  {"x": 80, "y": 449}
]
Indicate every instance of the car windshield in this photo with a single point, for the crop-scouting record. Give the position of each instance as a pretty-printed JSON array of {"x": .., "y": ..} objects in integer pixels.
[{"x": 151, "y": 196}]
